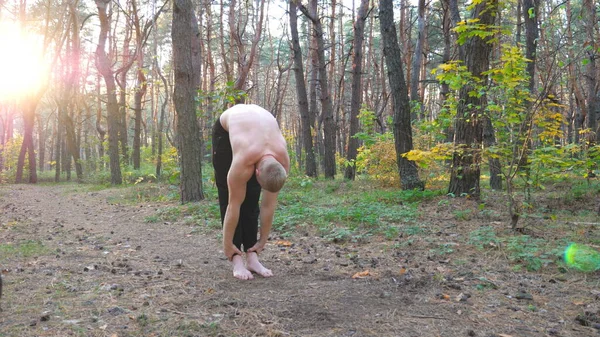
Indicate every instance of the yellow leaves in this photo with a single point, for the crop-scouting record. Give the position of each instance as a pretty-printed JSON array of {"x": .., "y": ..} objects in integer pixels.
[
  {"x": 378, "y": 160},
  {"x": 425, "y": 158},
  {"x": 447, "y": 66},
  {"x": 469, "y": 21}
]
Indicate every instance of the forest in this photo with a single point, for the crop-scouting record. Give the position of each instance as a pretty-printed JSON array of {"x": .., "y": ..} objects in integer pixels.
[
  {"x": 404, "y": 93},
  {"x": 443, "y": 180}
]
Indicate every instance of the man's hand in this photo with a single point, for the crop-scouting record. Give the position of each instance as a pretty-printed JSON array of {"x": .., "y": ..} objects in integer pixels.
[
  {"x": 258, "y": 247},
  {"x": 230, "y": 250}
]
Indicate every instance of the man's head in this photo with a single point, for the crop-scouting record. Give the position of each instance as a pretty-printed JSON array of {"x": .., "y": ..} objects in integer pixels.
[{"x": 270, "y": 174}]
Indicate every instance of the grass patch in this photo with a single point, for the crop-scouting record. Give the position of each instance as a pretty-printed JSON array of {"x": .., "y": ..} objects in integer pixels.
[
  {"x": 25, "y": 249},
  {"x": 338, "y": 215}
]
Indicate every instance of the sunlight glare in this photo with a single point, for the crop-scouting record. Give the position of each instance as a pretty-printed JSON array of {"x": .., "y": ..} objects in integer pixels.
[{"x": 22, "y": 65}]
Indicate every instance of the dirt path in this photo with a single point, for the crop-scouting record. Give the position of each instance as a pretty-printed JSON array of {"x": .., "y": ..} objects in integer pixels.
[{"x": 88, "y": 267}]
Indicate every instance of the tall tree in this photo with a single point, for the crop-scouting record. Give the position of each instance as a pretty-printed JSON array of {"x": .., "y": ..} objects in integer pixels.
[
  {"x": 121, "y": 78},
  {"x": 591, "y": 73},
  {"x": 142, "y": 32},
  {"x": 103, "y": 63},
  {"x": 186, "y": 55},
  {"x": 530, "y": 11},
  {"x": 356, "y": 100},
  {"x": 418, "y": 56},
  {"x": 245, "y": 60},
  {"x": 71, "y": 88},
  {"x": 310, "y": 168},
  {"x": 465, "y": 170},
  {"x": 407, "y": 169},
  {"x": 29, "y": 106},
  {"x": 325, "y": 92}
]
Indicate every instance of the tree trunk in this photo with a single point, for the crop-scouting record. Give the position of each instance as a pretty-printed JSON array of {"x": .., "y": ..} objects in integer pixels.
[
  {"x": 121, "y": 79},
  {"x": 530, "y": 14},
  {"x": 41, "y": 144},
  {"x": 72, "y": 145},
  {"x": 140, "y": 88},
  {"x": 329, "y": 129},
  {"x": 57, "y": 155},
  {"x": 99, "y": 127},
  {"x": 409, "y": 175},
  {"x": 356, "y": 101},
  {"x": 465, "y": 171},
  {"x": 489, "y": 139},
  {"x": 593, "y": 104},
  {"x": 103, "y": 63},
  {"x": 27, "y": 147},
  {"x": 418, "y": 56},
  {"x": 161, "y": 120},
  {"x": 310, "y": 168},
  {"x": 244, "y": 60},
  {"x": 184, "y": 35}
]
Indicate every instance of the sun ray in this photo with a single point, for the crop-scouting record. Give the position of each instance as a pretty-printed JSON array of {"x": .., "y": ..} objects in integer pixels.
[{"x": 22, "y": 65}]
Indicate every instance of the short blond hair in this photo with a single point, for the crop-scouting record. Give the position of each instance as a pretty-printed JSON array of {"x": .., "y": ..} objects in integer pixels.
[{"x": 271, "y": 175}]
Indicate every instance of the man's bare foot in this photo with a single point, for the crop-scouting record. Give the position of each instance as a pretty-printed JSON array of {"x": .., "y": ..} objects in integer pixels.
[
  {"x": 255, "y": 266},
  {"x": 239, "y": 270}
]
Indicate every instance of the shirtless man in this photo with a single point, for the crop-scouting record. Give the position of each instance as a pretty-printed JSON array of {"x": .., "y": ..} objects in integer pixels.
[{"x": 249, "y": 154}]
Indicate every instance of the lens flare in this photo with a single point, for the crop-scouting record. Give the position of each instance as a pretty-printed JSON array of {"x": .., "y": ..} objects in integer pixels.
[
  {"x": 582, "y": 257},
  {"x": 23, "y": 68}
]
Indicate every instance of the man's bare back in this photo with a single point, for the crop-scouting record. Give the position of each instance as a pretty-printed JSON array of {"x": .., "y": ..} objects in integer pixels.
[{"x": 254, "y": 133}]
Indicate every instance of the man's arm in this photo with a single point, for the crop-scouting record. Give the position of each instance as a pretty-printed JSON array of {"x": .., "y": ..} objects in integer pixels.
[
  {"x": 267, "y": 211},
  {"x": 236, "y": 182}
]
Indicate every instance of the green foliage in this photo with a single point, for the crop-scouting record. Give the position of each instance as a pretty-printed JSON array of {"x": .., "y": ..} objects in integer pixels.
[
  {"x": 532, "y": 253},
  {"x": 413, "y": 230},
  {"x": 367, "y": 134},
  {"x": 467, "y": 29},
  {"x": 10, "y": 156},
  {"x": 523, "y": 250},
  {"x": 462, "y": 214},
  {"x": 485, "y": 284},
  {"x": 168, "y": 214},
  {"x": 442, "y": 250},
  {"x": 484, "y": 237},
  {"x": 338, "y": 215},
  {"x": 378, "y": 160},
  {"x": 220, "y": 98},
  {"x": 204, "y": 214},
  {"x": 377, "y": 156}
]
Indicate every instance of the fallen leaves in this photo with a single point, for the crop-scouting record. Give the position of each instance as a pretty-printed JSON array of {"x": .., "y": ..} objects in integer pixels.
[
  {"x": 283, "y": 243},
  {"x": 361, "y": 274}
]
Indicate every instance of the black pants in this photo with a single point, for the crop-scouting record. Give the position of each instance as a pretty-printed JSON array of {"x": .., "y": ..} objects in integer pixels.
[{"x": 247, "y": 226}]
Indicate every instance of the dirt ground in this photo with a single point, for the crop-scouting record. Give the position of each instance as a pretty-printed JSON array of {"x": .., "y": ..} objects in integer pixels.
[{"x": 92, "y": 266}]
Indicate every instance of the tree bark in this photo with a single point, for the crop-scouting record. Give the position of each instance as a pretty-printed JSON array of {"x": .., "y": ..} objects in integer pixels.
[
  {"x": 329, "y": 129},
  {"x": 593, "y": 102},
  {"x": 184, "y": 35},
  {"x": 121, "y": 79},
  {"x": 356, "y": 100},
  {"x": 465, "y": 170},
  {"x": 27, "y": 147},
  {"x": 418, "y": 55},
  {"x": 103, "y": 64},
  {"x": 407, "y": 169},
  {"x": 244, "y": 60},
  {"x": 310, "y": 168}
]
